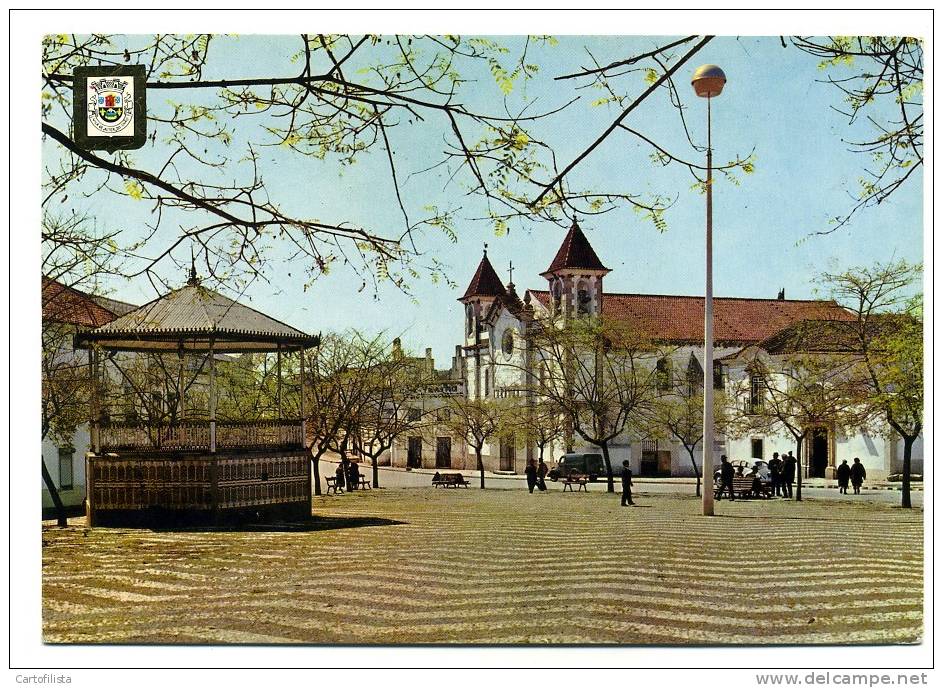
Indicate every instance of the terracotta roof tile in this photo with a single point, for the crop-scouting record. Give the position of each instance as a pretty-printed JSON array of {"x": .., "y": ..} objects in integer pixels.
[
  {"x": 68, "y": 305},
  {"x": 739, "y": 321},
  {"x": 575, "y": 253},
  {"x": 485, "y": 282}
]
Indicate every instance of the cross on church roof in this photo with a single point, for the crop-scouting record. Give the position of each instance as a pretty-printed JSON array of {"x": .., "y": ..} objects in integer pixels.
[{"x": 511, "y": 272}]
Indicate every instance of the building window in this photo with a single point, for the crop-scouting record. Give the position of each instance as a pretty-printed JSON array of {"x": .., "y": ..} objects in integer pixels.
[
  {"x": 414, "y": 414},
  {"x": 507, "y": 342},
  {"x": 719, "y": 375},
  {"x": 487, "y": 382},
  {"x": 557, "y": 289},
  {"x": 663, "y": 374},
  {"x": 582, "y": 298},
  {"x": 756, "y": 448},
  {"x": 469, "y": 320},
  {"x": 756, "y": 394},
  {"x": 65, "y": 467}
]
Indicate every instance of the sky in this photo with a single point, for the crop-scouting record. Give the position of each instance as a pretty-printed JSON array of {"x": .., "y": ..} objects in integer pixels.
[{"x": 764, "y": 228}]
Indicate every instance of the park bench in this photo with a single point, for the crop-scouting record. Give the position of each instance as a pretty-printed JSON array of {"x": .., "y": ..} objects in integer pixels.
[
  {"x": 743, "y": 488},
  {"x": 365, "y": 483},
  {"x": 447, "y": 480},
  {"x": 331, "y": 485},
  {"x": 575, "y": 479}
]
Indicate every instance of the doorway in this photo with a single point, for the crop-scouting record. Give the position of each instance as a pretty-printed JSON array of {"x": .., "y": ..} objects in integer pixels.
[
  {"x": 655, "y": 462},
  {"x": 507, "y": 454},
  {"x": 414, "y": 453},
  {"x": 818, "y": 453},
  {"x": 443, "y": 452}
]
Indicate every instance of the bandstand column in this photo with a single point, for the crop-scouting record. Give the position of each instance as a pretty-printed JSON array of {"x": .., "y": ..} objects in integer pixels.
[
  {"x": 278, "y": 381},
  {"x": 96, "y": 405},
  {"x": 212, "y": 401}
]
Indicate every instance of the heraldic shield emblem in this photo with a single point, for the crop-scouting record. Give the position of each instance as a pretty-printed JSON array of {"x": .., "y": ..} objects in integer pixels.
[{"x": 109, "y": 107}]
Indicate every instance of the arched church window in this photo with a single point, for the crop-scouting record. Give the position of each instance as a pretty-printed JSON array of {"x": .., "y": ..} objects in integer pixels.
[
  {"x": 663, "y": 374},
  {"x": 557, "y": 295},
  {"x": 507, "y": 342},
  {"x": 469, "y": 320},
  {"x": 582, "y": 298},
  {"x": 487, "y": 382}
]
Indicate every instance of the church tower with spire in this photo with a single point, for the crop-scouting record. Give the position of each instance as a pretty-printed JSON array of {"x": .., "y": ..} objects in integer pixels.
[
  {"x": 575, "y": 277},
  {"x": 483, "y": 290}
]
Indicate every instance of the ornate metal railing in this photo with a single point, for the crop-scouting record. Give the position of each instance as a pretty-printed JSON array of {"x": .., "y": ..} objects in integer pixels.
[{"x": 195, "y": 436}]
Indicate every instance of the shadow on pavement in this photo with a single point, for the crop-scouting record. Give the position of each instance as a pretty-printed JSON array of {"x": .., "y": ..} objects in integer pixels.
[{"x": 315, "y": 523}]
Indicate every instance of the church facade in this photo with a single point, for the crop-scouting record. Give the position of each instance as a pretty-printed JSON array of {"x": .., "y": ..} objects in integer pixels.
[{"x": 494, "y": 359}]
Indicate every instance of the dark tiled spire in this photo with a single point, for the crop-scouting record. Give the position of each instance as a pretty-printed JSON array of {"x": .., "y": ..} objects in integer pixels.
[
  {"x": 575, "y": 253},
  {"x": 485, "y": 282}
]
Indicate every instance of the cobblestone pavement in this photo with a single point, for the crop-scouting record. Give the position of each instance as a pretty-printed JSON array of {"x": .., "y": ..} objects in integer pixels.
[{"x": 500, "y": 566}]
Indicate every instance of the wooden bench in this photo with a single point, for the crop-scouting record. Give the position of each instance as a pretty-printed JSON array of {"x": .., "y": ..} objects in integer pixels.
[
  {"x": 575, "y": 479},
  {"x": 332, "y": 485},
  {"x": 743, "y": 488},
  {"x": 447, "y": 480},
  {"x": 365, "y": 483}
]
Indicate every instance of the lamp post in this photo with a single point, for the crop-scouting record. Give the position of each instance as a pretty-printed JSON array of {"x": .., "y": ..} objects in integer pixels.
[{"x": 708, "y": 81}]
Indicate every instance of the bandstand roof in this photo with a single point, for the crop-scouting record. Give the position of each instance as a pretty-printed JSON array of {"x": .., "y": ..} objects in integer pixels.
[{"x": 193, "y": 318}]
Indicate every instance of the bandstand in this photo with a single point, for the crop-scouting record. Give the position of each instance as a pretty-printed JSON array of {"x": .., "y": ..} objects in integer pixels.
[{"x": 195, "y": 471}]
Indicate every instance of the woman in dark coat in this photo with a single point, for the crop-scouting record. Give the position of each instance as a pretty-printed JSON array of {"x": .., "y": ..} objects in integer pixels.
[
  {"x": 353, "y": 479},
  {"x": 339, "y": 475},
  {"x": 843, "y": 472},
  {"x": 530, "y": 472},
  {"x": 858, "y": 474}
]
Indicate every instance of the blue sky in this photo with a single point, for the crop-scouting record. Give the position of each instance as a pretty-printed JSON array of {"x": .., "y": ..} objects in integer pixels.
[{"x": 764, "y": 228}]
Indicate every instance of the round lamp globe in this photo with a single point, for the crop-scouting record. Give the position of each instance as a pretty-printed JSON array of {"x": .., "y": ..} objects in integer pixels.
[{"x": 708, "y": 81}]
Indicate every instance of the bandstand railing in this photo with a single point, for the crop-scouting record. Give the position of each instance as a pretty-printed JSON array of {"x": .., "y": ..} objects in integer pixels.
[{"x": 195, "y": 436}]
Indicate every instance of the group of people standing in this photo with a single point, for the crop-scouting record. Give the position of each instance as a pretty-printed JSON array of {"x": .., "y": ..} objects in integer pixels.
[
  {"x": 347, "y": 474},
  {"x": 536, "y": 475},
  {"x": 782, "y": 474}
]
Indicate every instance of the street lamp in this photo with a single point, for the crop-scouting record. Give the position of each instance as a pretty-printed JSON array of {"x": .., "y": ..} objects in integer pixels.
[{"x": 708, "y": 81}]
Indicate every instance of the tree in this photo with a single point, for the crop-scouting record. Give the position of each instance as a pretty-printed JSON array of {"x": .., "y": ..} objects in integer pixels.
[
  {"x": 678, "y": 415},
  {"x": 65, "y": 396},
  {"x": 388, "y": 413},
  {"x": 599, "y": 373},
  {"x": 795, "y": 392},
  {"x": 880, "y": 80},
  {"x": 477, "y": 421},
  {"x": 885, "y": 338},
  {"x": 538, "y": 423},
  {"x": 336, "y": 100},
  {"x": 338, "y": 386}
]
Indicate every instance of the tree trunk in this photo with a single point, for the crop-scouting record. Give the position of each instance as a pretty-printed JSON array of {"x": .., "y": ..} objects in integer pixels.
[
  {"x": 376, "y": 472},
  {"x": 61, "y": 520},
  {"x": 905, "y": 484},
  {"x": 697, "y": 490},
  {"x": 481, "y": 466},
  {"x": 799, "y": 469},
  {"x": 316, "y": 460},
  {"x": 605, "y": 456}
]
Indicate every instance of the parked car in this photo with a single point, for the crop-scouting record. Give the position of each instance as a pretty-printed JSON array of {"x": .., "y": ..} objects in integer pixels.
[
  {"x": 899, "y": 477},
  {"x": 590, "y": 465},
  {"x": 747, "y": 466}
]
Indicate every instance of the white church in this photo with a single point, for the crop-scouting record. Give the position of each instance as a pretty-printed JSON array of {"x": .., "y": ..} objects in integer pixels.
[{"x": 494, "y": 355}]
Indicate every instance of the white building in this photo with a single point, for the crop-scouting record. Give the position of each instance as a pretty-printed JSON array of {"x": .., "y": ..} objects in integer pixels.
[{"x": 496, "y": 356}]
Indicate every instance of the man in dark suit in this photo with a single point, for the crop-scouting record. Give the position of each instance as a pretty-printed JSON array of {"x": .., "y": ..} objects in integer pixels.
[
  {"x": 789, "y": 474},
  {"x": 726, "y": 477},
  {"x": 627, "y": 485}
]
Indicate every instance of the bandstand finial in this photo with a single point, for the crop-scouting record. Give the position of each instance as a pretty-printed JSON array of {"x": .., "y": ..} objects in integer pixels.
[{"x": 194, "y": 280}]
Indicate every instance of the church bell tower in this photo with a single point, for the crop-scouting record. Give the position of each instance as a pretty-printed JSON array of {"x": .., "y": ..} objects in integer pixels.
[{"x": 575, "y": 277}]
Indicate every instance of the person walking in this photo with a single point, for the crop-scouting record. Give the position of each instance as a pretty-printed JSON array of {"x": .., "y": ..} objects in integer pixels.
[
  {"x": 726, "y": 478},
  {"x": 789, "y": 474},
  {"x": 843, "y": 473},
  {"x": 340, "y": 477},
  {"x": 542, "y": 471},
  {"x": 858, "y": 474},
  {"x": 627, "y": 484},
  {"x": 776, "y": 474},
  {"x": 530, "y": 472}
]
